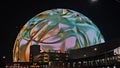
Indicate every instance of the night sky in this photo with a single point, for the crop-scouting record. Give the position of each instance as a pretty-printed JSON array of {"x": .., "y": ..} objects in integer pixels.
[{"x": 104, "y": 13}]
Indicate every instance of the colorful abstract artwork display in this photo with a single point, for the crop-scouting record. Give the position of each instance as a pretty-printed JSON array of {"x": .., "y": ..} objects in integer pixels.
[{"x": 56, "y": 29}]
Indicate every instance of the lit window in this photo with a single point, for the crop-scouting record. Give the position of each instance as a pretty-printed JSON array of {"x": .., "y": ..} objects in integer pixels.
[{"x": 95, "y": 49}]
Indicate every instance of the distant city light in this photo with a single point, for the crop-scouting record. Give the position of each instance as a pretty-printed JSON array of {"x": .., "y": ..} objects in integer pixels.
[
  {"x": 4, "y": 57},
  {"x": 94, "y": 0},
  {"x": 84, "y": 55},
  {"x": 114, "y": 66},
  {"x": 117, "y": 51},
  {"x": 95, "y": 49}
]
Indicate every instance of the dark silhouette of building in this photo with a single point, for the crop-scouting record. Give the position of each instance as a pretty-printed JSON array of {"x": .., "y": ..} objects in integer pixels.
[
  {"x": 95, "y": 50},
  {"x": 34, "y": 50},
  {"x": 53, "y": 58},
  {"x": 100, "y": 55},
  {"x": 97, "y": 56},
  {"x": 46, "y": 57}
]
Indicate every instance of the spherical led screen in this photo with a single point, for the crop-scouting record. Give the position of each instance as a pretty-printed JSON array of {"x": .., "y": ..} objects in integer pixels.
[{"x": 56, "y": 29}]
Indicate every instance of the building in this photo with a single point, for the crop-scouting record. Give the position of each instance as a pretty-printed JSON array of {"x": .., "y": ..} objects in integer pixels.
[
  {"x": 52, "y": 57},
  {"x": 102, "y": 55},
  {"x": 34, "y": 50}
]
